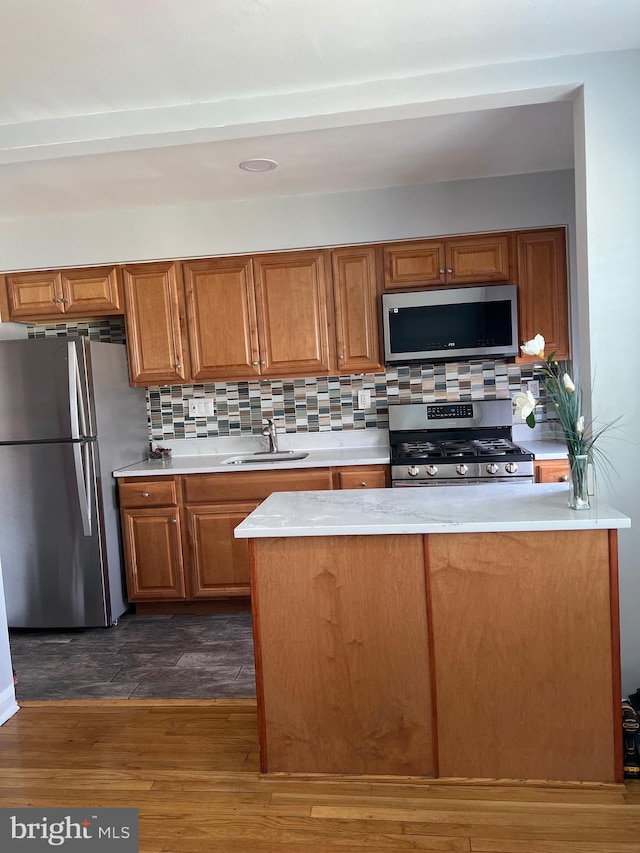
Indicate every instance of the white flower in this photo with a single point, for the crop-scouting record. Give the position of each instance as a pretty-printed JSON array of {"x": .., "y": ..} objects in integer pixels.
[
  {"x": 568, "y": 383},
  {"x": 534, "y": 347},
  {"x": 525, "y": 403},
  {"x": 580, "y": 425}
]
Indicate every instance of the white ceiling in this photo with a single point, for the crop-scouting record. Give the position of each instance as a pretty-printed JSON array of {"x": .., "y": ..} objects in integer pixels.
[{"x": 114, "y": 103}]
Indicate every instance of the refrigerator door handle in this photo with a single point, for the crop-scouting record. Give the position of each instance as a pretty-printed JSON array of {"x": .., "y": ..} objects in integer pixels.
[
  {"x": 83, "y": 483},
  {"x": 76, "y": 395}
]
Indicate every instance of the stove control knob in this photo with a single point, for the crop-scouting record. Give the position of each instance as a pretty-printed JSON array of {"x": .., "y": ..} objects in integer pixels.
[
  {"x": 431, "y": 470},
  {"x": 492, "y": 468},
  {"x": 413, "y": 471},
  {"x": 511, "y": 467},
  {"x": 462, "y": 469}
]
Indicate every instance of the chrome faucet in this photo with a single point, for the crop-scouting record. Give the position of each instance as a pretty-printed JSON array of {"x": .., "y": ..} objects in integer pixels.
[{"x": 271, "y": 434}]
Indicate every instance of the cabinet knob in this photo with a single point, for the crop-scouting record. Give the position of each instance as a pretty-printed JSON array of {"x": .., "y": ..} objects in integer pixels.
[
  {"x": 174, "y": 521},
  {"x": 255, "y": 362},
  {"x": 263, "y": 362},
  {"x": 145, "y": 494},
  {"x": 449, "y": 271},
  {"x": 178, "y": 365},
  {"x": 441, "y": 272},
  {"x": 564, "y": 478},
  {"x": 363, "y": 485},
  {"x": 57, "y": 300},
  {"x": 341, "y": 357}
]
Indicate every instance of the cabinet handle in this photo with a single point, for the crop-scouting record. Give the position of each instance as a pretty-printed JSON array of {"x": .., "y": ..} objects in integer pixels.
[
  {"x": 564, "y": 478},
  {"x": 441, "y": 272},
  {"x": 145, "y": 494},
  {"x": 449, "y": 271}
]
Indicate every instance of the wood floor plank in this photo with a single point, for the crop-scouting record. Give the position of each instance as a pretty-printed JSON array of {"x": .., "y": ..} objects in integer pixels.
[{"x": 192, "y": 771}]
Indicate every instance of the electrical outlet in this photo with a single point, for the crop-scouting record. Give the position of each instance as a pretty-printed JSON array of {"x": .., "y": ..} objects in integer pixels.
[
  {"x": 201, "y": 407},
  {"x": 364, "y": 398},
  {"x": 533, "y": 385}
]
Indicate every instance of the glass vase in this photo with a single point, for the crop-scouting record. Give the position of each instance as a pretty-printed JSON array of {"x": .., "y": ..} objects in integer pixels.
[{"x": 579, "y": 494}]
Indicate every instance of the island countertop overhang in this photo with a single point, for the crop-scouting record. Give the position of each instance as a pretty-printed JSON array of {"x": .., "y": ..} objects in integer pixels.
[{"x": 445, "y": 509}]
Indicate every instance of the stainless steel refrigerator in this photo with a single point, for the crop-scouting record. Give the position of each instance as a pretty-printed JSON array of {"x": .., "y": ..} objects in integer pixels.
[{"x": 68, "y": 418}]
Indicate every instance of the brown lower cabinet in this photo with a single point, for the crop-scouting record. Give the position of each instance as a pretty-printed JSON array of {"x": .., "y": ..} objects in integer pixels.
[
  {"x": 456, "y": 655},
  {"x": 551, "y": 470},
  {"x": 178, "y": 531}
]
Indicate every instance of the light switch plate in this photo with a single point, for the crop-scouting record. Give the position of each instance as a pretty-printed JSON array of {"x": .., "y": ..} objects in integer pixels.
[
  {"x": 201, "y": 407},
  {"x": 364, "y": 398}
]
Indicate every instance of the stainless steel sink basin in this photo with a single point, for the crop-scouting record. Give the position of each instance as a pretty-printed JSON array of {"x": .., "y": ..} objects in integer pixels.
[{"x": 265, "y": 456}]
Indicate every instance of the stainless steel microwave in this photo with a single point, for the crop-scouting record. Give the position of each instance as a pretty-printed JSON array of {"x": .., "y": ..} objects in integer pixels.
[{"x": 451, "y": 324}]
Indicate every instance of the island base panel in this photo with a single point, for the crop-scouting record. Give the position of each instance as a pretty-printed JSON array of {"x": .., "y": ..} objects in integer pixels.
[
  {"x": 523, "y": 650},
  {"x": 344, "y": 684}
]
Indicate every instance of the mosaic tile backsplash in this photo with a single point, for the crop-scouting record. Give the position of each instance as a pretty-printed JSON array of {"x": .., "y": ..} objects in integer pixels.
[{"x": 308, "y": 404}]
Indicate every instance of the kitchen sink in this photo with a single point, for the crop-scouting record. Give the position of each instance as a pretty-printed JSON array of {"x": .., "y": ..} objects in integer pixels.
[{"x": 266, "y": 456}]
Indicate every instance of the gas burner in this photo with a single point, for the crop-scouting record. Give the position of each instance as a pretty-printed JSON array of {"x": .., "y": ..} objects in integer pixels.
[
  {"x": 456, "y": 447},
  {"x": 494, "y": 446}
]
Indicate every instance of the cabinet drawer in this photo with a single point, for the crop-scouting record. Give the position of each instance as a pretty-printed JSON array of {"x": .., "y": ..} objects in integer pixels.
[
  {"x": 363, "y": 478},
  {"x": 552, "y": 471},
  {"x": 148, "y": 493},
  {"x": 253, "y": 486}
]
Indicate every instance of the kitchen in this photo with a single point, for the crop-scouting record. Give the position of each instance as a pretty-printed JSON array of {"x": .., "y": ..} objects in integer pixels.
[
  {"x": 533, "y": 201},
  {"x": 339, "y": 401}
]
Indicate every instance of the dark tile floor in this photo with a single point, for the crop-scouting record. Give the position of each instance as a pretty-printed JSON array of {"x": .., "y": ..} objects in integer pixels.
[{"x": 142, "y": 657}]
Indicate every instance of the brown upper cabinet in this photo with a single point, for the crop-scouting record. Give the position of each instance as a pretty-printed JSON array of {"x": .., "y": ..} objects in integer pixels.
[
  {"x": 355, "y": 290},
  {"x": 542, "y": 289},
  {"x": 90, "y": 292},
  {"x": 457, "y": 260},
  {"x": 156, "y": 334},
  {"x": 275, "y": 315}
]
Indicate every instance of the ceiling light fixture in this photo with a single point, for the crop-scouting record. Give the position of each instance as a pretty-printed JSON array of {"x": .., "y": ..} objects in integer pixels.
[{"x": 258, "y": 164}]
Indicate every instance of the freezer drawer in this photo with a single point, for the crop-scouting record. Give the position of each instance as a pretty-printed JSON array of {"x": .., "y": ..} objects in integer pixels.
[{"x": 51, "y": 537}]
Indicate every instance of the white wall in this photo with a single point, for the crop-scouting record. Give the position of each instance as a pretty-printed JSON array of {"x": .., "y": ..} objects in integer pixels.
[{"x": 286, "y": 223}]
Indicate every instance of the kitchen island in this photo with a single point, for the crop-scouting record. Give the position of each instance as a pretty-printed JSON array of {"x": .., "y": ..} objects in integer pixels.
[{"x": 467, "y": 632}]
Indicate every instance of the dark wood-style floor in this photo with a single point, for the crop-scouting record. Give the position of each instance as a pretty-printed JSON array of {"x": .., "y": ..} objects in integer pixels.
[
  {"x": 142, "y": 657},
  {"x": 191, "y": 768}
]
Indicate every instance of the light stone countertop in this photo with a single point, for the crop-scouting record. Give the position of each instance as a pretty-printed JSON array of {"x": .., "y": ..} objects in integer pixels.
[
  {"x": 326, "y": 450},
  {"x": 441, "y": 509},
  {"x": 545, "y": 449}
]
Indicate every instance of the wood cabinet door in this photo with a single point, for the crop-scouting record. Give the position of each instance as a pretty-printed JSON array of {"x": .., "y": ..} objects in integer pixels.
[
  {"x": 293, "y": 328},
  {"x": 414, "y": 264},
  {"x": 355, "y": 292},
  {"x": 472, "y": 260},
  {"x": 153, "y": 554},
  {"x": 34, "y": 295},
  {"x": 219, "y": 563},
  {"x": 221, "y": 314},
  {"x": 92, "y": 292},
  {"x": 542, "y": 290},
  {"x": 156, "y": 335},
  {"x": 551, "y": 471}
]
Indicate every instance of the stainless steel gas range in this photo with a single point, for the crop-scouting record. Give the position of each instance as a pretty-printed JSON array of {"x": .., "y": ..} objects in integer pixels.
[{"x": 444, "y": 444}]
